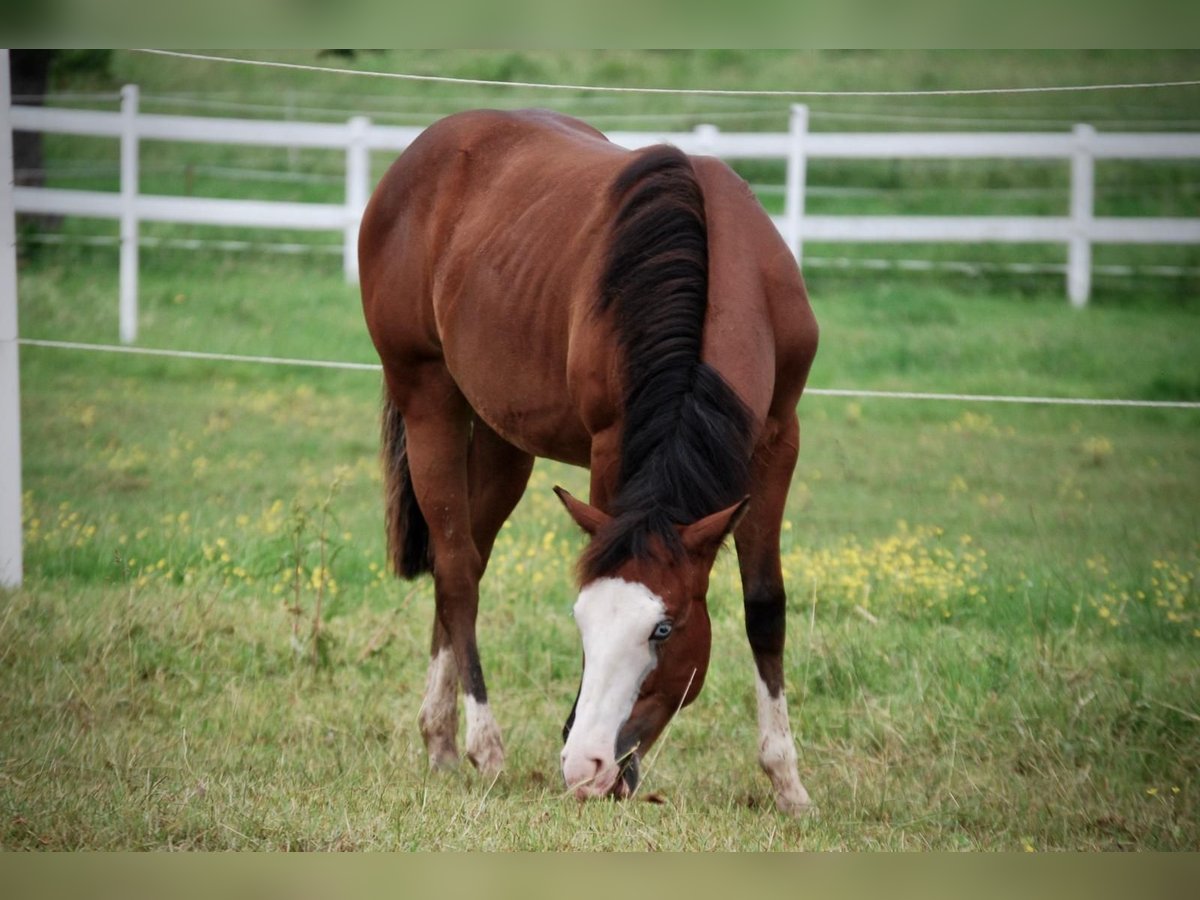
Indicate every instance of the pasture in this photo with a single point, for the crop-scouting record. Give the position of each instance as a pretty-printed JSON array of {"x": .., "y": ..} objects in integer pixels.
[{"x": 994, "y": 613}]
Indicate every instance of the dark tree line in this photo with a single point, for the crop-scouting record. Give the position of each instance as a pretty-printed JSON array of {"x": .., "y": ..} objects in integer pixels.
[{"x": 31, "y": 74}]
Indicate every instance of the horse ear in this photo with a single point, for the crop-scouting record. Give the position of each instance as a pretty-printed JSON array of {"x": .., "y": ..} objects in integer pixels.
[
  {"x": 586, "y": 517},
  {"x": 703, "y": 538}
]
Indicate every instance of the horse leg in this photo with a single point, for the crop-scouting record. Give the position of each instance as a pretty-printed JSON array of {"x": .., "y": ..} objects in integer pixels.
[
  {"x": 438, "y": 718},
  {"x": 498, "y": 473},
  {"x": 408, "y": 545},
  {"x": 757, "y": 541},
  {"x": 438, "y": 424}
]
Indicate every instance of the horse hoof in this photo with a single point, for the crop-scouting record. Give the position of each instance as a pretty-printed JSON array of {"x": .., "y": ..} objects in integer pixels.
[
  {"x": 485, "y": 748},
  {"x": 441, "y": 741},
  {"x": 442, "y": 749},
  {"x": 443, "y": 758},
  {"x": 486, "y": 751},
  {"x": 799, "y": 807},
  {"x": 488, "y": 761}
]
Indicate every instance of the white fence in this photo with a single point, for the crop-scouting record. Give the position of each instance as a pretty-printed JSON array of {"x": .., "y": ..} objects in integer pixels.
[
  {"x": 359, "y": 136},
  {"x": 11, "y": 566}
]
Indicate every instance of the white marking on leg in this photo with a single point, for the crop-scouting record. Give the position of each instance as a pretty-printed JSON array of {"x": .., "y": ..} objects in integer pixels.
[
  {"x": 485, "y": 748},
  {"x": 777, "y": 750},
  {"x": 616, "y": 619},
  {"x": 438, "y": 717}
]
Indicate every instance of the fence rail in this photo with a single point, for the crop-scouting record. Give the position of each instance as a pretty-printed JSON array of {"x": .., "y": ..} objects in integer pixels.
[{"x": 359, "y": 136}]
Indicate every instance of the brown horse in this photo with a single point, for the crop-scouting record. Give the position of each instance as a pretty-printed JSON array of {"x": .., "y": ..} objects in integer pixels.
[{"x": 534, "y": 290}]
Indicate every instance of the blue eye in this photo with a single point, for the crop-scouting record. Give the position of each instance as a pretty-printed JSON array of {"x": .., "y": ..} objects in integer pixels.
[{"x": 661, "y": 631}]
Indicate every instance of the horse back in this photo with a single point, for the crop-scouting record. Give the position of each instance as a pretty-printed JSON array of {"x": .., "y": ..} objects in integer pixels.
[
  {"x": 480, "y": 249},
  {"x": 438, "y": 207},
  {"x": 483, "y": 247}
]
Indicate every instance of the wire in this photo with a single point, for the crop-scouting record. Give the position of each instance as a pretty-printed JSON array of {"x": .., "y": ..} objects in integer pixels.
[
  {"x": 196, "y": 354},
  {"x": 447, "y": 79},
  {"x": 963, "y": 267},
  {"x": 820, "y": 392},
  {"x": 994, "y": 398},
  {"x": 106, "y": 240}
]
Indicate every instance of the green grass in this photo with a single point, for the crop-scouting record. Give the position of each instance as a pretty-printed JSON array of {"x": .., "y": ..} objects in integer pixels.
[
  {"x": 994, "y": 610},
  {"x": 953, "y": 679}
]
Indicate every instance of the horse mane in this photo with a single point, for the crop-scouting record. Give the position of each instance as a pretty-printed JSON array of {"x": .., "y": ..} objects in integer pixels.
[{"x": 685, "y": 436}]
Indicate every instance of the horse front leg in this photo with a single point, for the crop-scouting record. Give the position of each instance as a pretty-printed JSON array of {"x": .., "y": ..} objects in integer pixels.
[{"x": 765, "y": 600}]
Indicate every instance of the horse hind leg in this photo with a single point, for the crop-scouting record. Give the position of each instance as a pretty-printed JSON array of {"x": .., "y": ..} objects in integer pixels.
[
  {"x": 409, "y": 554},
  {"x": 765, "y": 599},
  {"x": 440, "y": 450},
  {"x": 498, "y": 473},
  {"x": 438, "y": 717},
  {"x": 438, "y": 457}
]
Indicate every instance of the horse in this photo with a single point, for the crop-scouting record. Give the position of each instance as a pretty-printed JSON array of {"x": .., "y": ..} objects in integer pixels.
[{"x": 534, "y": 290}]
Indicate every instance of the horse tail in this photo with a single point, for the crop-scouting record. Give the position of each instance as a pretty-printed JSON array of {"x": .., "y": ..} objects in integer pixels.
[{"x": 407, "y": 530}]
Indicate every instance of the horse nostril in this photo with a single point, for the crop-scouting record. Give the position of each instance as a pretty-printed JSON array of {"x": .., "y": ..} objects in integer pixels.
[
  {"x": 581, "y": 772},
  {"x": 589, "y": 768}
]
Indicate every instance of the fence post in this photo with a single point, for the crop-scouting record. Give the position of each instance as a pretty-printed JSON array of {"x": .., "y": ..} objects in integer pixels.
[
  {"x": 358, "y": 174},
  {"x": 289, "y": 113},
  {"x": 706, "y": 138},
  {"x": 128, "y": 311},
  {"x": 796, "y": 174},
  {"x": 10, "y": 372},
  {"x": 1079, "y": 251}
]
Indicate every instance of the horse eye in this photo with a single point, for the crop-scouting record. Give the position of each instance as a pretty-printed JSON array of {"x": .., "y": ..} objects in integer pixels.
[{"x": 661, "y": 630}]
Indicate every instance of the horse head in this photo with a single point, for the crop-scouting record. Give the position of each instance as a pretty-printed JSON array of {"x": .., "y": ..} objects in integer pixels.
[{"x": 646, "y": 642}]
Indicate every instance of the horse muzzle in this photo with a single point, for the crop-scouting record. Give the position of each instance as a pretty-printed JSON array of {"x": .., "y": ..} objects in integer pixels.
[{"x": 593, "y": 776}]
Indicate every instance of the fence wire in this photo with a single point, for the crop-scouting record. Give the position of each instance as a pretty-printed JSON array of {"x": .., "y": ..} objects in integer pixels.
[
  {"x": 819, "y": 392},
  {"x": 711, "y": 92}
]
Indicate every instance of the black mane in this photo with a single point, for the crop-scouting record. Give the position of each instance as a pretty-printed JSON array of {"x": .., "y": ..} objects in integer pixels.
[{"x": 685, "y": 440}]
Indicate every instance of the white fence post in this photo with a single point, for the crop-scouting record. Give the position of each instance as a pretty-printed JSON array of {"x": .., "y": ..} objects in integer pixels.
[
  {"x": 358, "y": 175},
  {"x": 10, "y": 372},
  {"x": 797, "y": 166},
  {"x": 1083, "y": 191},
  {"x": 289, "y": 114},
  {"x": 128, "y": 307},
  {"x": 706, "y": 138}
]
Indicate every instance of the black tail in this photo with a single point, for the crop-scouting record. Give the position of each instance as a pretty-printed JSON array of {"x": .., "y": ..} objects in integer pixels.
[{"x": 407, "y": 531}]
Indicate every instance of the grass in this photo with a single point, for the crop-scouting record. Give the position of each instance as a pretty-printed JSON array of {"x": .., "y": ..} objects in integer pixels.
[
  {"x": 978, "y": 657},
  {"x": 994, "y": 622}
]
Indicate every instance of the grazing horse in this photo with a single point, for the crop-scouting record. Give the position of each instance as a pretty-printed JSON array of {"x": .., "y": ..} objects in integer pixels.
[{"x": 534, "y": 290}]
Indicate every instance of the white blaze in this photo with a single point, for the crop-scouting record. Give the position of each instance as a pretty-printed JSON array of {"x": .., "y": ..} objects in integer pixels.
[{"x": 615, "y": 619}]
